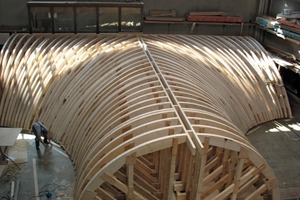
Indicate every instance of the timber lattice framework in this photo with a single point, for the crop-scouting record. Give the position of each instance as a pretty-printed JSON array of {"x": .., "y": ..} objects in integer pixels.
[{"x": 148, "y": 116}]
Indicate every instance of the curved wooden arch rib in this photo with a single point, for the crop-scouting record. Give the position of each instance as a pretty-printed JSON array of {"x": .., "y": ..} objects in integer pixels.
[
  {"x": 168, "y": 68},
  {"x": 142, "y": 116},
  {"x": 204, "y": 84},
  {"x": 32, "y": 44},
  {"x": 7, "y": 73},
  {"x": 17, "y": 67},
  {"x": 258, "y": 120}
]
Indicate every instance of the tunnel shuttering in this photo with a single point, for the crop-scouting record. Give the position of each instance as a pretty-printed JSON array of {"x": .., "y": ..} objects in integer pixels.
[{"x": 148, "y": 116}]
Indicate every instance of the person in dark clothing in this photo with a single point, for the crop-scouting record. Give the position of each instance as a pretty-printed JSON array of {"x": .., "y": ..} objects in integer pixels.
[{"x": 40, "y": 130}]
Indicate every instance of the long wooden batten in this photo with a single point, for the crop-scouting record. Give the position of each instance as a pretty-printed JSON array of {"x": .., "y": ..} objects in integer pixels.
[{"x": 148, "y": 116}]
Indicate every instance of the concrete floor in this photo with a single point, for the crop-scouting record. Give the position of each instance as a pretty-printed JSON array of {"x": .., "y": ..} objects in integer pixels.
[
  {"x": 279, "y": 143},
  {"x": 55, "y": 173}
]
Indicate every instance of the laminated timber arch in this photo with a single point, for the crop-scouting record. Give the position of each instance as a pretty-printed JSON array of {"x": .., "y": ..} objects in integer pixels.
[{"x": 148, "y": 116}]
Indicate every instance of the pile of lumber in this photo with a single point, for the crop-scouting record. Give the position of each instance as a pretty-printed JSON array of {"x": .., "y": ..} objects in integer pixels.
[
  {"x": 164, "y": 15},
  {"x": 218, "y": 16},
  {"x": 148, "y": 116},
  {"x": 289, "y": 29},
  {"x": 266, "y": 21},
  {"x": 282, "y": 25},
  {"x": 285, "y": 23}
]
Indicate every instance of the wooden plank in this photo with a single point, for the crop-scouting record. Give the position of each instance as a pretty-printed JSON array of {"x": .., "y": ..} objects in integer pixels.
[
  {"x": 207, "y": 13},
  {"x": 145, "y": 166},
  {"x": 162, "y": 13},
  {"x": 166, "y": 19},
  {"x": 215, "y": 186},
  {"x": 238, "y": 174},
  {"x": 172, "y": 169},
  {"x": 217, "y": 172},
  {"x": 144, "y": 192},
  {"x": 148, "y": 186},
  {"x": 180, "y": 195},
  {"x": 104, "y": 194},
  {"x": 130, "y": 161},
  {"x": 234, "y": 160},
  {"x": 257, "y": 193},
  {"x": 87, "y": 194},
  {"x": 121, "y": 186},
  {"x": 115, "y": 182},
  {"x": 203, "y": 154},
  {"x": 146, "y": 176},
  {"x": 213, "y": 18}
]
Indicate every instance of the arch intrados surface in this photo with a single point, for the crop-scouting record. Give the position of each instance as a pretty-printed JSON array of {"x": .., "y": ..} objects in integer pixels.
[{"x": 174, "y": 108}]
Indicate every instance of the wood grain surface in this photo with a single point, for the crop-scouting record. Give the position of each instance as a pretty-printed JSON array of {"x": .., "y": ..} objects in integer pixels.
[{"x": 148, "y": 116}]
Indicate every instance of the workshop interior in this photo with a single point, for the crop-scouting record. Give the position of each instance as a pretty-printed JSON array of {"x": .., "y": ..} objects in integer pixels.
[{"x": 150, "y": 100}]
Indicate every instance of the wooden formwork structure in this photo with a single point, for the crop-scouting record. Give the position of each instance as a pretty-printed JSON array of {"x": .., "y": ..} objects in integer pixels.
[{"x": 148, "y": 116}]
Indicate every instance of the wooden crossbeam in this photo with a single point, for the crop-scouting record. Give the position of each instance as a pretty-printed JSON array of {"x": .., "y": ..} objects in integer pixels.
[{"x": 121, "y": 186}]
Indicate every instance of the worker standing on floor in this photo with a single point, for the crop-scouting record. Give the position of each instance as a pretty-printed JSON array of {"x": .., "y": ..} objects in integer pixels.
[{"x": 40, "y": 130}]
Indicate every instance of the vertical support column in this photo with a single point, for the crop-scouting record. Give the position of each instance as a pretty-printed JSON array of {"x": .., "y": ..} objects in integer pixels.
[
  {"x": 231, "y": 168},
  {"x": 203, "y": 155},
  {"x": 225, "y": 160},
  {"x": 130, "y": 162},
  {"x": 164, "y": 169},
  {"x": 172, "y": 168},
  {"x": 168, "y": 165},
  {"x": 199, "y": 170},
  {"x": 238, "y": 173}
]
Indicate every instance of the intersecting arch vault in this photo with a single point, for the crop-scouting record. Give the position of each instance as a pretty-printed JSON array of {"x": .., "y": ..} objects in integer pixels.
[{"x": 148, "y": 116}]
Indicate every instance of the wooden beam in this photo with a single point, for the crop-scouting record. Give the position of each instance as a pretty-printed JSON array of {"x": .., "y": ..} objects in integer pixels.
[
  {"x": 203, "y": 154},
  {"x": 172, "y": 168},
  {"x": 121, "y": 186},
  {"x": 104, "y": 194},
  {"x": 257, "y": 192},
  {"x": 130, "y": 162},
  {"x": 87, "y": 194},
  {"x": 238, "y": 173}
]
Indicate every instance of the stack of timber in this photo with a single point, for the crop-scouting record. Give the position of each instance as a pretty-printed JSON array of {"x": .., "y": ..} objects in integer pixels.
[
  {"x": 148, "y": 116},
  {"x": 281, "y": 26},
  {"x": 266, "y": 22},
  {"x": 218, "y": 16},
  {"x": 289, "y": 29},
  {"x": 164, "y": 15},
  {"x": 290, "y": 24}
]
